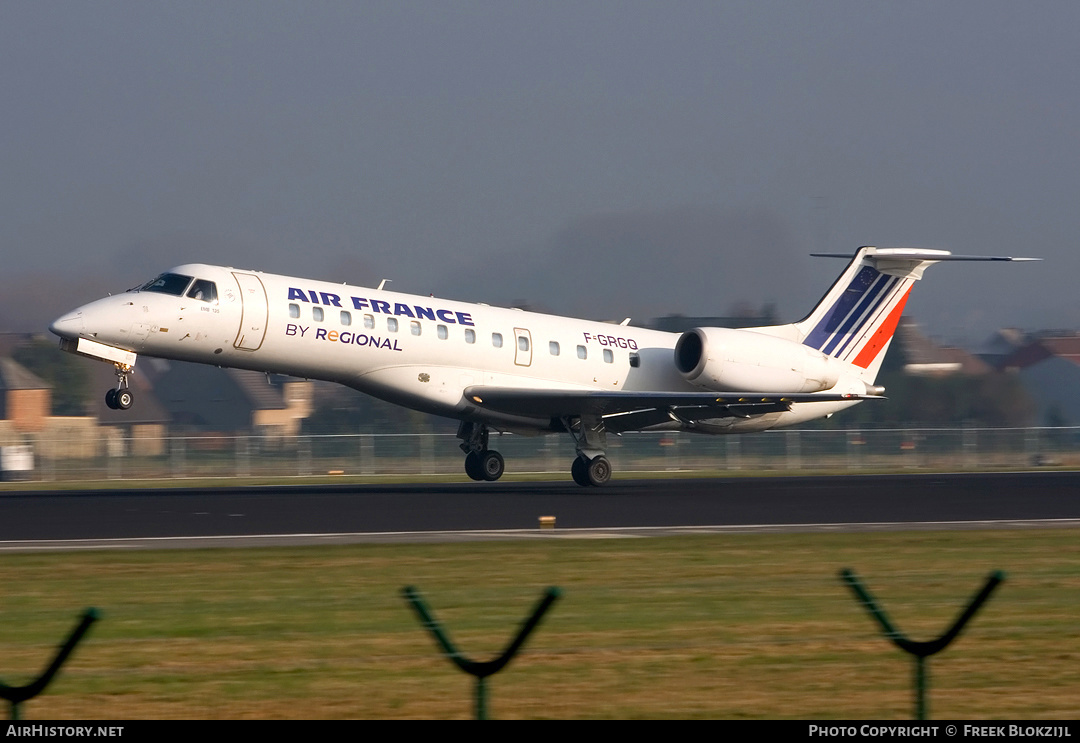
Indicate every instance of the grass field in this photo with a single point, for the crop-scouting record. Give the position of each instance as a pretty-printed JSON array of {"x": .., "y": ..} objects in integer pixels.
[{"x": 735, "y": 626}]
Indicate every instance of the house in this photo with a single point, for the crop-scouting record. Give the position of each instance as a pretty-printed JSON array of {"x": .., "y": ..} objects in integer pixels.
[
  {"x": 25, "y": 398},
  {"x": 925, "y": 358},
  {"x": 204, "y": 398},
  {"x": 1049, "y": 369}
]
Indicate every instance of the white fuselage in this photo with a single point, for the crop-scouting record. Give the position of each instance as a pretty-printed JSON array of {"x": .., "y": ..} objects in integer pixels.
[{"x": 416, "y": 351}]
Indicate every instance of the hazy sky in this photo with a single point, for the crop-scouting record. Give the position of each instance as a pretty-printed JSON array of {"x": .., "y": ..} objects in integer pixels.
[{"x": 600, "y": 158}]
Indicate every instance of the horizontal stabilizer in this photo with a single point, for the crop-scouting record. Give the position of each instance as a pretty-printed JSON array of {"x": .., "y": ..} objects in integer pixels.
[{"x": 924, "y": 254}]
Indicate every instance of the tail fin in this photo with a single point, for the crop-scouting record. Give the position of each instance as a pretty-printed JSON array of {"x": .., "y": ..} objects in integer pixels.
[{"x": 856, "y": 319}]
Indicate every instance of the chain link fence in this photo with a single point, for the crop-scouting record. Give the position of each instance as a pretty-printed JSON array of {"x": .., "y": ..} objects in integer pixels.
[{"x": 119, "y": 457}]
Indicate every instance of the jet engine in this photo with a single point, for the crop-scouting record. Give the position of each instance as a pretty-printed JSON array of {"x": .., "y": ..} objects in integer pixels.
[{"x": 729, "y": 360}]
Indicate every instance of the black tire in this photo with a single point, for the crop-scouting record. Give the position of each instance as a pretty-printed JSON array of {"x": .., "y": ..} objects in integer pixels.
[
  {"x": 124, "y": 399},
  {"x": 473, "y": 468},
  {"x": 110, "y": 399},
  {"x": 599, "y": 471},
  {"x": 492, "y": 465},
  {"x": 579, "y": 470}
]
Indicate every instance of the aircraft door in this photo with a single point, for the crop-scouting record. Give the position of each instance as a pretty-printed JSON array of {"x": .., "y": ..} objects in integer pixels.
[
  {"x": 523, "y": 351},
  {"x": 254, "y": 312}
]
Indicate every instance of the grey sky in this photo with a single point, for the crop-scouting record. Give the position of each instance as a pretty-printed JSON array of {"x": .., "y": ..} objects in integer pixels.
[{"x": 599, "y": 158}]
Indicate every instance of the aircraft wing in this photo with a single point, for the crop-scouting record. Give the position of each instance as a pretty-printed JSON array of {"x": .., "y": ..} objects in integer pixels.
[{"x": 553, "y": 403}]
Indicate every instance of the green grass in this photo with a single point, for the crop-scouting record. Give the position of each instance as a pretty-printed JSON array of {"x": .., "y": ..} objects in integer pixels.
[{"x": 734, "y": 626}]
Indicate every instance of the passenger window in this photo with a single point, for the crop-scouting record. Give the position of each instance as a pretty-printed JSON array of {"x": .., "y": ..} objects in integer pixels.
[
  {"x": 414, "y": 327},
  {"x": 346, "y": 318},
  {"x": 391, "y": 324},
  {"x": 496, "y": 340},
  {"x": 470, "y": 335},
  {"x": 294, "y": 310},
  {"x": 635, "y": 360},
  {"x": 523, "y": 343},
  {"x": 609, "y": 357},
  {"x": 203, "y": 290},
  {"x": 553, "y": 347},
  {"x": 317, "y": 314},
  {"x": 443, "y": 333},
  {"x": 582, "y": 353},
  {"x": 369, "y": 321}
]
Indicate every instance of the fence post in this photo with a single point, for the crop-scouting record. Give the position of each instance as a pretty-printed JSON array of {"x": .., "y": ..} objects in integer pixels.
[
  {"x": 920, "y": 651},
  {"x": 479, "y": 669},
  {"x": 303, "y": 456},
  {"x": 427, "y": 453},
  {"x": 734, "y": 460},
  {"x": 794, "y": 449},
  {"x": 243, "y": 456},
  {"x": 970, "y": 445},
  {"x": 177, "y": 451},
  {"x": 16, "y": 695}
]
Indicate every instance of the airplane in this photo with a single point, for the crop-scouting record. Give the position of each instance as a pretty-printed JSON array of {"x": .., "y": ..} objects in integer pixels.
[{"x": 505, "y": 369}]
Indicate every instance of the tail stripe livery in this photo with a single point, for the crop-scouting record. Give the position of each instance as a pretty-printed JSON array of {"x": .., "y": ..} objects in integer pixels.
[
  {"x": 858, "y": 287},
  {"x": 862, "y": 319},
  {"x": 858, "y": 316},
  {"x": 861, "y": 326},
  {"x": 883, "y": 335},
  {"x": 873, "y": 300}
]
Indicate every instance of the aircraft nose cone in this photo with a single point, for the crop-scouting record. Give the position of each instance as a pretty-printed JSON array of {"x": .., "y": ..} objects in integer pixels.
[{"x": 68, "y": 326}]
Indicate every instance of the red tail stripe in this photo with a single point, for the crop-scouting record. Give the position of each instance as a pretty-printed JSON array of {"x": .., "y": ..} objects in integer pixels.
[{"x": 873, "y": 347}]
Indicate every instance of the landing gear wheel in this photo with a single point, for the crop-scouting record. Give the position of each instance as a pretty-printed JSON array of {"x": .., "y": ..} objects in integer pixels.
[
  {"x": 492, "y": 465},
  {"x": 123, "y": 399},
  {"x": 599, "y": 471},
  {"x": 110, "y": 399},
  {"x": 579, "y": 470},
  {"x": 473, "y": 466}
]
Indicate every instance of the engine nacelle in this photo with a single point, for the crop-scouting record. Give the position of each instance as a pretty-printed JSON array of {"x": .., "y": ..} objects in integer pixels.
[{"x": 729, "y": 360}]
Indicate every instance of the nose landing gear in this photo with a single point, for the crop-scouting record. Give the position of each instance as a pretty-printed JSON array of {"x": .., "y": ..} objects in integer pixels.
[{"x": 121, "y": 397}]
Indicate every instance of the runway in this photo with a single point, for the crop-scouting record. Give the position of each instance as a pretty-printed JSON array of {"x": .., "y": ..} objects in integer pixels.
[{"x": 304, "y": 514}]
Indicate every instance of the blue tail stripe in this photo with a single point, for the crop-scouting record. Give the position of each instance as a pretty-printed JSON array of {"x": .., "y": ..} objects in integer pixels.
[
  {"x": 881, "y": 310},
  {"x": 840, "y": 309},
  {"x": 854, "y": 317},
  {"x": 880, "y": 295}
]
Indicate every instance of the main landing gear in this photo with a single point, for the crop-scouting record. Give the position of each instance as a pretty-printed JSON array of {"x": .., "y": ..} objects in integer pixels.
[
  {"x": 121, "y": 397},
  {"x": 591, "y": 468},
  {"x": 484, "y": 465},
  {"x": 595, "y": 471},
  {"x": 481, "y": 463}
]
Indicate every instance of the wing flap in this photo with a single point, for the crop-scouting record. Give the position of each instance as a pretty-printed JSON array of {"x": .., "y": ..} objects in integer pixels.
[{"x": 554, "y": 403}]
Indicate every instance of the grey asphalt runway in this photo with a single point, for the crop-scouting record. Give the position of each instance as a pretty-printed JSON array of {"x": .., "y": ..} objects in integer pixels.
[{"x": 309, "y": 514}]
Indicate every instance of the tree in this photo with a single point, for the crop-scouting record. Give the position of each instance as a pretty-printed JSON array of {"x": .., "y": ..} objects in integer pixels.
[{"x": 68, "y": 376}]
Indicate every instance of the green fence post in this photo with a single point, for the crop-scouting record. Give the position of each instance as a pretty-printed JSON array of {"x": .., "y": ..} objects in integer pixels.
[
  {"x": 479, "y": 669},
  {"x": 920, "y": 650},
  {"x": 16, "y": 695}
]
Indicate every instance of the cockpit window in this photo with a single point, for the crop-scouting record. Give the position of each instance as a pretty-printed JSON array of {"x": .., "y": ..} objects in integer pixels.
[
  {"x": 167, "y": 283},
  {"x": 204, "y": 290}
]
